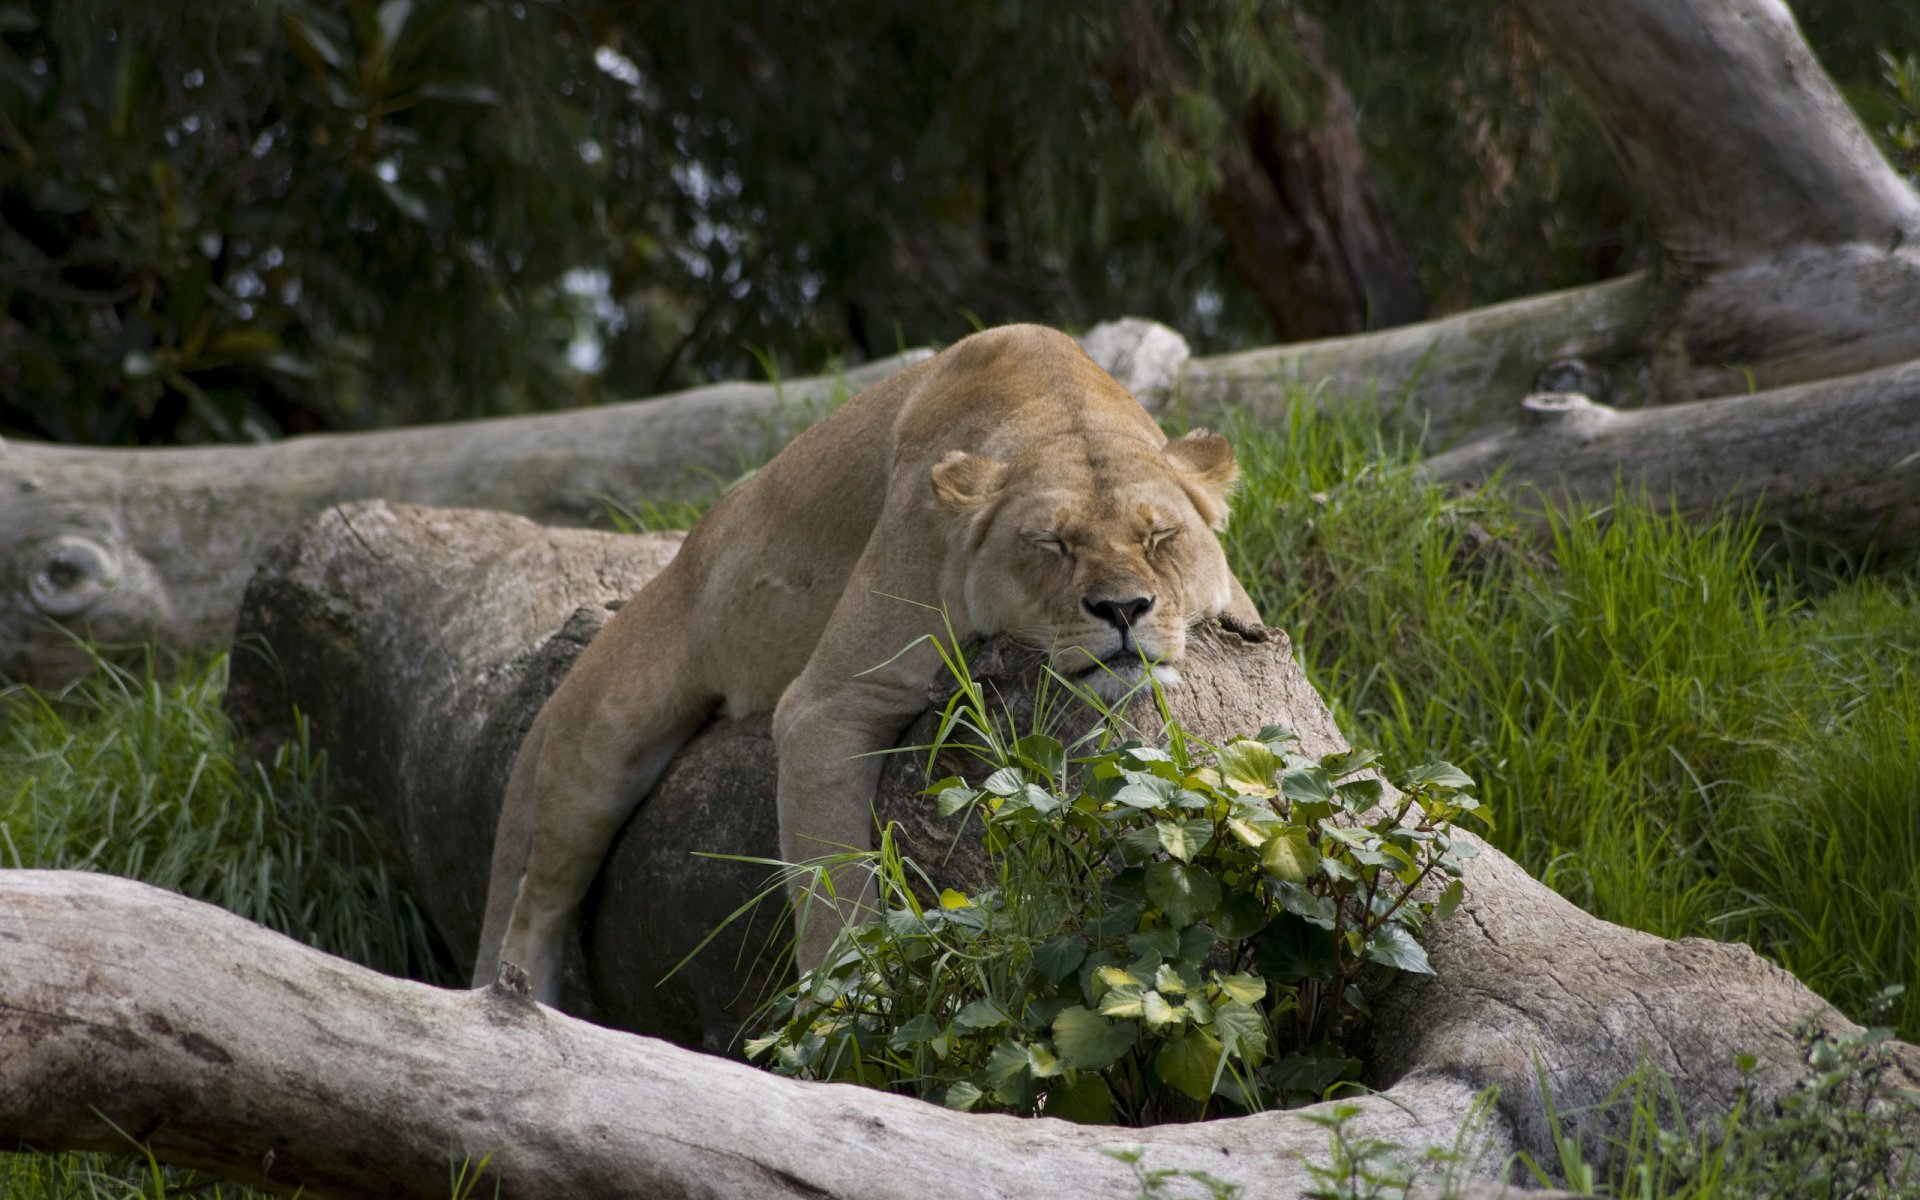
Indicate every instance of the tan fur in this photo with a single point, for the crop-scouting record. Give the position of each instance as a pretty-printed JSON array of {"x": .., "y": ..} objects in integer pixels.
[{"x": 1008, "y": 482}]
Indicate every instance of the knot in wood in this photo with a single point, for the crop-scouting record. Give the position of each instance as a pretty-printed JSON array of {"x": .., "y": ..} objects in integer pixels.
[
  {"x": 67, "y": 575},
  {"x": 1549, "y": 408}
]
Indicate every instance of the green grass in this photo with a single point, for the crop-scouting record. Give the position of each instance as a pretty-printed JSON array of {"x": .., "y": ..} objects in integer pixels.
[
  {"x": 139, "y": 774},
  {"x": 1679, "y": 728}
]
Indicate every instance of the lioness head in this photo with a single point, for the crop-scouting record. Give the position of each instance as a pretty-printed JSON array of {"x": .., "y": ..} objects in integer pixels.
[{"x": 1099, "y": 548}]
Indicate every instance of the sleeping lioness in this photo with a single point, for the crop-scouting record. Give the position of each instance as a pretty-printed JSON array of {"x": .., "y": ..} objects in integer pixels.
[{"x": 1008, "y": 483}]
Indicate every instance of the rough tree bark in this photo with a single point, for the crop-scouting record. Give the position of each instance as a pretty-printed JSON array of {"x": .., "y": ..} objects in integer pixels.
[{"x": 220, "y": 1042}]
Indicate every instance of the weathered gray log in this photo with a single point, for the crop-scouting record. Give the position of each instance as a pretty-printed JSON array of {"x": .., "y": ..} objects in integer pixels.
[
  {"x": 1838, "y": 459},
  {"x": 1528, "y": 986},
  {"x": 132, "y": 545},
  {"x": 128, "y": 1010}
]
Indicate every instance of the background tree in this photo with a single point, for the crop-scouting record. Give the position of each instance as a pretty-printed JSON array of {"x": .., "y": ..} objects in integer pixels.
[{"x": 238, "y": 218}]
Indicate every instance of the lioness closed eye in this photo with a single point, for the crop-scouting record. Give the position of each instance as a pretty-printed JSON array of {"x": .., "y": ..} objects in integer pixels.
[{"x": 1008, "y": 482}]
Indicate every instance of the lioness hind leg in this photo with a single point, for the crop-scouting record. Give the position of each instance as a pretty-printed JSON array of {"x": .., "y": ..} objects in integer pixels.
[{"x": 606, "y": 738}]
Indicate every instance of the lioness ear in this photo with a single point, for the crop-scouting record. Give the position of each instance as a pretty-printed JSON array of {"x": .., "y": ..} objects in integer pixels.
[
  {"x": 964, "y": 482},
  {"x": 1204, "y": 461}
]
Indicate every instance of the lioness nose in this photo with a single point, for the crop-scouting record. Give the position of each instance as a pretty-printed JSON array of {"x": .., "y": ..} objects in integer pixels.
[{"x": 1121, "y": 614}]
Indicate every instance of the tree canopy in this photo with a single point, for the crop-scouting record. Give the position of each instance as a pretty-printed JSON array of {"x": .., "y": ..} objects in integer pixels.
[{"x": 243, "y": 218}]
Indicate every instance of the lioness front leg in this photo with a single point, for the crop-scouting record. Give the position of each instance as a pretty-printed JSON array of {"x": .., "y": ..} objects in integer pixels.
[
  {"x": 605, "y": 736},
  {"x": 831, "y": 738}
]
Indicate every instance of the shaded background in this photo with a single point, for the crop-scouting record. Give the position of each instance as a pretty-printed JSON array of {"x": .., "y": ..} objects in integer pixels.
[{"x": 236, "y": 219}]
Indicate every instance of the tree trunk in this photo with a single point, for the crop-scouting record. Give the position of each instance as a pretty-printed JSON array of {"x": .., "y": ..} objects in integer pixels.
[
  {"x": 1529, "y": 989},
  {"x": 1295, "y": 198}
]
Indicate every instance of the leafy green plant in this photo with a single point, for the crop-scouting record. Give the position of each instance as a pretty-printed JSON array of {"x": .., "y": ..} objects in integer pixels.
[
  {"x": 1170, "y": 932},
  {"x": 1901, "y": 137}
]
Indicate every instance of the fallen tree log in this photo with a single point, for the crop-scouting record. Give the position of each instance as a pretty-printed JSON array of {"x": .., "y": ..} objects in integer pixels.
[
  {"x": 1839, "y": 459},
  {"x": 123, "y": 546},
  {"x": 1529, "y": 990},
  {"x": 129, "y": 1011},
  {"x": 133, "y": 545}
]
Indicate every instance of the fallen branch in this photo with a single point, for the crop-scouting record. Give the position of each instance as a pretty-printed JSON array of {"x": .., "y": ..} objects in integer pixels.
[{"x": 1838, "y": 459}]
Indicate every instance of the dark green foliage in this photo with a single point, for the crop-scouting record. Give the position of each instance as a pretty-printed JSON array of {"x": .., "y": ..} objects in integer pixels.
[
  {"x": 1173, "y": 933},
  {"x": 229, "y": 220}
]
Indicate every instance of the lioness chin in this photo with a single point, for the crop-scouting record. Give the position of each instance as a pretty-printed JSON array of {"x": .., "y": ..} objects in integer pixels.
[{"x": 1006, "y": 485}]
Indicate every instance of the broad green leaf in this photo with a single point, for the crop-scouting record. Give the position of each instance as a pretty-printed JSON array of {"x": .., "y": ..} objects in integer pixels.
[
  {"x": 1360, "y": 795},
  {"x": 1393, "y": 945},
  {"x": 1116, "y": 977},
  {"x": 1337, "y": 765},
  {"x": 984, "y": 1013},
  {"x": 1139, "y": 845},
  {"x": 1007, "y": 1062},
  {"x": 1124, "y": 1000},
  {"x": 1172, "y": 836},
  {"x": 1198, "y": 1010},
  {"x": 1042, "y": 1062},
  {"x": 1242, "y": 1030},
  {"x": 1086, "y": 1101},
  {"x": 1005, "y": 782},
  {"x": 1087, "y": 1041},
  {"x": 1336, "y": 870},
  {"x": 1249, "y": 834},
  {"x": 922, "y": 1028},
  {"x": 1248, "y": 767},
  {"x": 1168, "y": 981},
  {"x": 757, "y": 1046},
  {"x": 963, "y": 1096},
  {"x": 1183, "y": 893},
  {"x": 1275, "y": 735},
  {"x": 1449, "y": 900},
  {"x": 1188, "y": 1062},
  {"x": 1311, "y": 1075},
  {"x": 1160, "y": 942},
  {"x": 1037, "y": 798},
  {"x": 1306, "y": 785},
  {"x": 1043, "y": 753},
  {"x": 1240, "y": 915},
  {"x": 1244, "y": 988},
  {"x": 1058, "y": 957},
  {"x": 1157, "y": 1013},
  {"x": 1290, "y": 857},
  {"x": 952, "y": 800},
  {"x": 1145, "y": 791},
  {"x": 1439, "y": 774},
  {"x": 1195, "y": 943}
]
